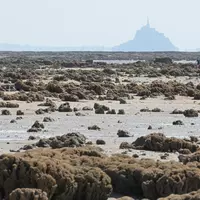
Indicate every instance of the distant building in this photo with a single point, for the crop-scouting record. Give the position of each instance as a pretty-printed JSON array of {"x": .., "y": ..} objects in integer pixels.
[{"x": 147, "y": 39}]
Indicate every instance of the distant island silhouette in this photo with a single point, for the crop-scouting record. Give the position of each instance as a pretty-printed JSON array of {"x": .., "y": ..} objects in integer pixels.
[{"x": 147, "y": 39}]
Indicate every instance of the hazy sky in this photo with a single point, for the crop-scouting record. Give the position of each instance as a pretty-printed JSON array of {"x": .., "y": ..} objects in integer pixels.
[{"x": 97, "y": 22}]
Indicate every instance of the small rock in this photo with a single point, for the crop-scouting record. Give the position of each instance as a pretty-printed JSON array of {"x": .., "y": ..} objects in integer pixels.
[
  {"x": 5, "y": 112},
  {"x": 99, "y": 111},
  {"x": 178, "y": 122},
  {"x": 122, "y": 101},
  {"x": 177, "y": 112},
  {"x": 191, "y": 113},
  {"x": 19, "y": 112},
  {"x": 164, "y": 157},
  {"x": 143, "y": 98},
  {"x": 14, "y": 151},
  {"x": 125, "y": 145},
  {"x": 39, "y": 112},
  {"x": 95, "y": 127},
  {"x": 27, "y": 147},
  {"x": 156, "y": 110},
  {"x": 89, "y": 143},
  {"x": 150, "y": 127},
  {"x": 36, "y": 127},
  {"x": 172, "y": 97},
  {"x": 135, "y": 156},
  {"x": 145, "y": 110},
  {"x": 48, "y": 103},
  {"x": 76, "y": 109},
  {"x": 97, "y": 106},
  {"x": 194, "y": 139},
  {"x": 65, "y": 108},
  {"x": 32, "y": 138},
  {"x": 111, "y": 112},
  {"x": 13, "y": 121},
  {"x": 122, "y": 133},
  {"x": 37, "y": 124},
  {"x": 34, "y": 130},
  {"x": 87, "y": 108},
  {"x": 121, "y": 112},
  {"x": 79, "y": 114},
  {"x": 48, "y": 119},
  {"x": 124, "y": 152},
  {"x": 100, "y": 142}
]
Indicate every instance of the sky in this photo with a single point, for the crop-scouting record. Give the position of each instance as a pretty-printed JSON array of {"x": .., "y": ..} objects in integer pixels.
[{"x": 97, "y": 22}]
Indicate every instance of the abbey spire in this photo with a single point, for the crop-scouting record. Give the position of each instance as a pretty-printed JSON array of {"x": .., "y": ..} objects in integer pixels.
[{"x": 148, "y": 23}]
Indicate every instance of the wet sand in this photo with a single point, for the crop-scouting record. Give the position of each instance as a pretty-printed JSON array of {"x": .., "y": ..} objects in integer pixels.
[{"x": 133, "y": 121}]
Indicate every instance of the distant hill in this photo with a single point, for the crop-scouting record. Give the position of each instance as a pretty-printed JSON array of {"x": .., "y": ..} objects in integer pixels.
[{"x": 147, "y": 39}]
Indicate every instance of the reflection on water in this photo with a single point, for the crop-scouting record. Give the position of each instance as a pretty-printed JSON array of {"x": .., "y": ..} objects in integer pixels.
[
  {"x": 118, "y": 61},
  {"x": 134, "y": 61}
]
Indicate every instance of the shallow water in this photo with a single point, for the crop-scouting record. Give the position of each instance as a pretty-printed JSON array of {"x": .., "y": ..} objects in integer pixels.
[{"x": 134, "y": 61}]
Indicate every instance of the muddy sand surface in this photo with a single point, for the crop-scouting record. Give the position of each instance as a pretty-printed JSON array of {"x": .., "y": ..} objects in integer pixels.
[{"x": 13, "y": 136}]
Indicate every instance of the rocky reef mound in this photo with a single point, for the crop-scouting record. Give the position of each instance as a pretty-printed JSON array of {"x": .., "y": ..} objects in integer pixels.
[
  {"x": 159, "y": 142},
  {"x": 28, "y": 194},
  {"x": 87, "y": 174},
  {"x": 67, "y": 140},
  {"x": 55, "y": 175}
]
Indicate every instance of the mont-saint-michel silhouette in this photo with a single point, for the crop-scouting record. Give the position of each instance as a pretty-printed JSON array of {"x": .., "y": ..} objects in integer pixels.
[{"x": 147, "y": 39}]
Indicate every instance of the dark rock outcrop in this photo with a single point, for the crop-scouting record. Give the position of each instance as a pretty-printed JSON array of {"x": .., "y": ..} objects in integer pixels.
[
  {"x": 159, "y": 142},
  {"x": 67, "y": 140}
]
